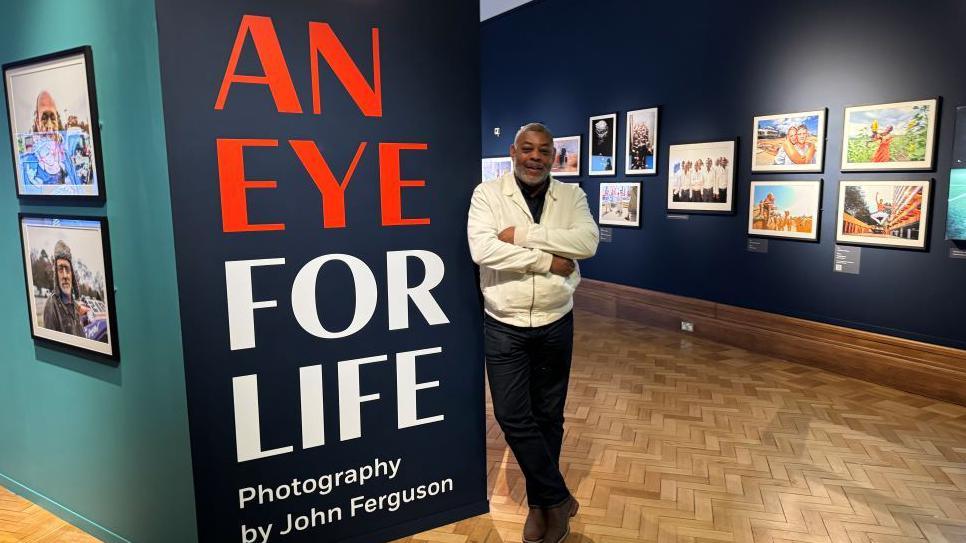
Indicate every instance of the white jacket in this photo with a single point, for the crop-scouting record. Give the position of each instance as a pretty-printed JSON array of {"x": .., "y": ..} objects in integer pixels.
[{"x": 518, "y": 288}]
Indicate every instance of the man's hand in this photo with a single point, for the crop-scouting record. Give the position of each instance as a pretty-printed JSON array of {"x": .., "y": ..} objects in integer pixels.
[
  {"x": 562, "y": 266},
  {"x": 506, "y": 236}
]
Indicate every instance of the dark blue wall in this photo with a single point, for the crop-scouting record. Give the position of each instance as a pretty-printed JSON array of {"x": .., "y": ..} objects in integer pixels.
[
  {"x": 421, "y": 104},
  {"x": 713, "y": 66}
]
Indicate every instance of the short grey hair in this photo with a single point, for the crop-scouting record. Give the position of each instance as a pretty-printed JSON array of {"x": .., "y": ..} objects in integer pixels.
[{"x": 533, "y": 127}]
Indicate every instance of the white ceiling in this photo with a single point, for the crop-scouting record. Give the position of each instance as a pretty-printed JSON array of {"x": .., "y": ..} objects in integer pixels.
[{"x": 492, "y": 8}]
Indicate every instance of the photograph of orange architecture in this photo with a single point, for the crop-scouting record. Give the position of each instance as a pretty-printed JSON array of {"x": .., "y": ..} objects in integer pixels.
[
  {"x": 785, "y": 209},
  {"x": 889, "y": 213}
]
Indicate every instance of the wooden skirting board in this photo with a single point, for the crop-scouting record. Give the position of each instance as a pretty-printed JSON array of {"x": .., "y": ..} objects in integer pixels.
[{"x": 922, "y": 368}]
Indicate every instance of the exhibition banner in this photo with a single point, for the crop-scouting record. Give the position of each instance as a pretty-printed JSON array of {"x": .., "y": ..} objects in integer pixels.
[{"x": 321, "y": 158}]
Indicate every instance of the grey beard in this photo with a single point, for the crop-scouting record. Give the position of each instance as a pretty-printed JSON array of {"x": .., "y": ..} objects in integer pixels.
[{"x": 521, "y": 174}]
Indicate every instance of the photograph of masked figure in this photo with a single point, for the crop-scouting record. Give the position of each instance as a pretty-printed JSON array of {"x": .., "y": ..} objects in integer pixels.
[
  {"x": 602, "y": 144},
  {"x": 53, "y": 123},
  {"x": 70, "y": 290}
]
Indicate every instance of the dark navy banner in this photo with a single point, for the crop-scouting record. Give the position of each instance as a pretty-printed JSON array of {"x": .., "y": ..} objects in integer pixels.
[{"x": 322, "y": 157}]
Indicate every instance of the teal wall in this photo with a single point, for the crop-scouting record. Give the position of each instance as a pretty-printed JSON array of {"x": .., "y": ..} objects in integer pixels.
[{"x": 104, "y": 447}]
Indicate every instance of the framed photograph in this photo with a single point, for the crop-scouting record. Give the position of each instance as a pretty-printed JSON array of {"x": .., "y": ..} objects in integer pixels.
[
  {"x": 789, "y": 142},
  {"x": 890, "y": 137},
  {"x": 567, "y": 161},
  {"x": 54, "y": 134},
  {"x": 785, "y": 209},
  {"x": 884, "y": 213},
  {"x": 495, "y": 167},
  {"x": 70, "y": 289},
  {"x": 956, "y": 212},
  {"x": 701, "y": 177},
  {"x": 640, "y": 149},
  {"x": 620, "y": 204},
  {"x": 603, "y": 144}
]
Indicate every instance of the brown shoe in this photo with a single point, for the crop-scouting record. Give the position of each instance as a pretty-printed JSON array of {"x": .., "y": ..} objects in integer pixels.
[
  {"x": 535, "y": 526},
  {"x": 558, "y": 520}
]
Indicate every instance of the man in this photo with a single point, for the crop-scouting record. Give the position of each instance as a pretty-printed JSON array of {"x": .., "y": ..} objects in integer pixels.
[
  {"x": 46, "y": 116},
  {"x": 697, "y": 181},
  {"x": 525, "y": 231},
  {"x": 723, "y": 179},
  {"x": 62, "y": 312},
  {"x": 707, "y": 180}
]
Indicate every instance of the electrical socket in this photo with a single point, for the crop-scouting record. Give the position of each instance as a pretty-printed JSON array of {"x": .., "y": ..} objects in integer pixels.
[{"x": 687, "y": 326}]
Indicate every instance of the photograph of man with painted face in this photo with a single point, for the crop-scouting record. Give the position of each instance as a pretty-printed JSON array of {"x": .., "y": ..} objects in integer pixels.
[{"x": 51, "y": 127}]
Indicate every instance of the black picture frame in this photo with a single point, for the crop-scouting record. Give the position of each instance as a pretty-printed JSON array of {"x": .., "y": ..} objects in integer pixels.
[
  {"x": 640, "y": 208},
  {"x": 612, "y": 156},
  {"x": 72, "y": 342},
  {"x": 926, "y": 211},
  {"x": 95, "y": 158},
  {"x": 731, "y": 206},
  {"x": 817, "y": 220},
  {"x": 628, "y": 171}
]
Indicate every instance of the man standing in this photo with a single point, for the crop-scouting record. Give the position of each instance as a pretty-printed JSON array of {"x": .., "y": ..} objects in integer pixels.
[
  {"x": 525, "y": 232},
  {"x": 62, "y": 311}
]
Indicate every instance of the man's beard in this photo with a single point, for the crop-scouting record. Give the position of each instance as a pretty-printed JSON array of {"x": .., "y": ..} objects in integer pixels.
[
  {"x": 67, "y": 289},
  {"x": 523, "y": 175}
]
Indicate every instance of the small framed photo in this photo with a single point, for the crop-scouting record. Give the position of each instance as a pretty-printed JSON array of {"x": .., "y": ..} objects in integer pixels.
[
  {"x": 620, "y": 204},
  {"x": 70, "y": 288},
  {"x": 701, "y": 177},
  {"x": 496, "y": 167},
  {"x": 789, "y": 142},
  {"x": 890, "y": 137},
  {"x": 785, "y": 209},
  {"x": 640, "y": 149},
  {"x": 883, "y": 213},
  {"x": 567, "y": 161},
  {"x": 603, "y": 144},
  {"x": 54, "y": 134},
  {"x": 956, "y": 211}
]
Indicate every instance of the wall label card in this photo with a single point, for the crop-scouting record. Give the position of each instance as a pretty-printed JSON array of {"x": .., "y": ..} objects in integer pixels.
[
  {"x": 606, "y": 234},
  {"x": 955, "y": 252},
  {"x": 676, "y": 217},
  {"x": 757, "y": 245},
  {"x": 848, "y": 259}
]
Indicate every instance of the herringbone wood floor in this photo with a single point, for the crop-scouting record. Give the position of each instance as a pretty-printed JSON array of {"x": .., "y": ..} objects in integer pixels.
[
  {"x": 21, "y": 520},
  {"x": 672, "y": 439}
]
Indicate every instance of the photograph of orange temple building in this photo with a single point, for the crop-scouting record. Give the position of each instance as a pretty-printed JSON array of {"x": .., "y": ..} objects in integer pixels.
[
  {"x": 883, "y": 213},
  {"x": 785, "y": 209}
]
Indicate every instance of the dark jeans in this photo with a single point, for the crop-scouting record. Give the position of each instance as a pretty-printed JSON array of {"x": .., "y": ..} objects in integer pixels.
[{"x": 528, "y": 370}]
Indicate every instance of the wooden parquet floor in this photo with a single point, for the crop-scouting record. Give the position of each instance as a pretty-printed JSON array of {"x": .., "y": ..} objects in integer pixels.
[
  {"x": 23, "y": 521},
  {"x": 674, "y": 439}
]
